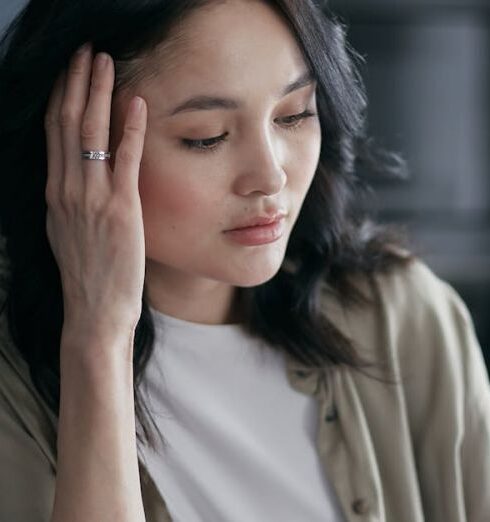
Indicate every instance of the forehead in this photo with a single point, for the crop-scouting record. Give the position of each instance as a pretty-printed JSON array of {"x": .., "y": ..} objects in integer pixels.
[{"x": 237, "y": 46}]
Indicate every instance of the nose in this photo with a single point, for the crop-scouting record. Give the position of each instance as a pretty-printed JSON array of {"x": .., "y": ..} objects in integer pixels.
[{"x": 261, "y": 166}]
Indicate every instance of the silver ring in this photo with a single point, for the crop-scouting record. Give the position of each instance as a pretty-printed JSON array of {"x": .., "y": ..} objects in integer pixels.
[{"x": 96, "y": 155}]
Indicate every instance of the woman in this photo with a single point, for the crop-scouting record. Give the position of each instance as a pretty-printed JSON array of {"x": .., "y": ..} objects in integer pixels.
[{"x": 198, "y": 323}]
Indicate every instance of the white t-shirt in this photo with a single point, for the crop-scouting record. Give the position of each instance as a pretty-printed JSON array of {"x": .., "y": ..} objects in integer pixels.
[{"x": 241, "y": 441}]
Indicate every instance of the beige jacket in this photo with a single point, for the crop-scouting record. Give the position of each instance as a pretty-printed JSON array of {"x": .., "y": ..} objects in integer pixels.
[{"x": 408, "y": 453}]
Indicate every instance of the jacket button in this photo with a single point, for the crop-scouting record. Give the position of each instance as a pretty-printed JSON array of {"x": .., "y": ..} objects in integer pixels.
[
  {"x": 331, "y": 415},
  {"x": 360, "y": 506},
  {"x": 302, "y": 373}
]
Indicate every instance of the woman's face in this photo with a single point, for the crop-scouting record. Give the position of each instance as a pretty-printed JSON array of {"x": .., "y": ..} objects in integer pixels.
[{"x": 192, "y": 192}]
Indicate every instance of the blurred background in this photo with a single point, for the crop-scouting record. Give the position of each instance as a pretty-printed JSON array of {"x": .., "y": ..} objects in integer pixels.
[{"x": 427, "y": 72}]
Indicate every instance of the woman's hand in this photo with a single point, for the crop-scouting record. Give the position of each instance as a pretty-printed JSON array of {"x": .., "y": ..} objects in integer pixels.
[{"x": 94, "y": 219}]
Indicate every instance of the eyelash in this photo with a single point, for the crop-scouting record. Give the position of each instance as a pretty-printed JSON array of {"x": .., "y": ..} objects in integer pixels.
[{"x": 197, "y": 145}]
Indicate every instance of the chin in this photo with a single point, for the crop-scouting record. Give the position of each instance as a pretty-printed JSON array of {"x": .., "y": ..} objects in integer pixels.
[{"x": 251, "y": 278}]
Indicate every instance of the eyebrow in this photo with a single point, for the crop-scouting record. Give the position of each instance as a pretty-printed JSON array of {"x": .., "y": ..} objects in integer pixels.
[{"x": 207, "y": 103}]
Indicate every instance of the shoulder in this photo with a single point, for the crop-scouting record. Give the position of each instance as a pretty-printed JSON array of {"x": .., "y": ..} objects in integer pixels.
[
  {"x": 429, "y": 326},
  {"x": 418, "y": 327},
  {"x": 422, "y": 329},
  {"x": 431, "y": 320},
  {"x": 410, "y": 292},
  {"x": 411, "y": 308}
]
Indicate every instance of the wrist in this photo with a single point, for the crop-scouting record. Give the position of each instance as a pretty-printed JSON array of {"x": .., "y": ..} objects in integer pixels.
[{"x": 96, "y": 347}]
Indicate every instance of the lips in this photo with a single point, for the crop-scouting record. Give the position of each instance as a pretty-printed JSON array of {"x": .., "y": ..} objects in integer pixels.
[
  {"x": 259, "y": 221},
  {"x": 258, "y": 234}
]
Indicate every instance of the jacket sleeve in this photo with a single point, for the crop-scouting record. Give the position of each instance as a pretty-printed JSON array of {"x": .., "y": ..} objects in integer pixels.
[
  {"x": 447, "y": 392},
  {"x": 27, "y": 437},
  {"x": 27, "y": 481},
  {"x": 475, "y": 444},
  {"x": 472, "y": 447}
]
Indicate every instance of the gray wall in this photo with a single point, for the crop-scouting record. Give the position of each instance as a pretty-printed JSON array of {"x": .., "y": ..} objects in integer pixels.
[
  {"x": 428, "y": 77},
  {"x": 8, "y": 9}
]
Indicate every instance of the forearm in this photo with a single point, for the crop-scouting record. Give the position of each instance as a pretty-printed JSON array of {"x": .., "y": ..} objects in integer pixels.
[{"x": 97, "y": 475}]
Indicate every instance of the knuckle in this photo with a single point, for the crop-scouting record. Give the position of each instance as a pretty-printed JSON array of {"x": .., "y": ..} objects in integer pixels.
[
  {"x": 68, "y": 117},
  {"x": 126, "y": 155},
  {"x": 50, "y": 196},
  {"x": 93, "y": 202},
  {"x": 67, "y": 198},
  {"x": 89, "y": 129},
  {"x": 98, "y": 85},
  {"x": 63, "y": 207},
  {"x": 132, "y": 129},
  {"x": 91, "y": 205},
  {"x": 50, "y": 121},
  {"x": 77, "y": 67},
  {"x": 119, "y": 225},
  {"x": 115, "y": 213}
]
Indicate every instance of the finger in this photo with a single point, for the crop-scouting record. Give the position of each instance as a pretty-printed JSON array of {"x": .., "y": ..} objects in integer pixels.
[
  {"x": 130, "y": 150},
  {"x": 72, "y": 110},
  {"x": 96, "y": 123},
  {"x": 54, "y": 149}
]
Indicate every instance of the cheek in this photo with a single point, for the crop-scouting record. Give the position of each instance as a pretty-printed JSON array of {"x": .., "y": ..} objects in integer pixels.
[
  {"x": 306, "y": 159},
  {"x": 175, "y": 197},
  {"x": 313, "y": 145},
  {"x": 165, "y": 196},
  {"x": 166, "y": 190},
  {"x": 175, "y": 190}
]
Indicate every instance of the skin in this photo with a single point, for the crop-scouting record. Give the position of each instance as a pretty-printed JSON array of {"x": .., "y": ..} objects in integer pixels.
[
  {"x": 158, "y": 211},
  {"x": 94, "y": 216},
  {"x": 161, "y": 208},
  {"x": 190, "y": 197}
]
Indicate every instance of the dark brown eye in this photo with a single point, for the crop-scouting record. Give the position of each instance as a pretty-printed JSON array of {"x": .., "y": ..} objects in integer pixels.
[
  {"x": 204, "y": 145},
  {"x": 296, "y": 119}
]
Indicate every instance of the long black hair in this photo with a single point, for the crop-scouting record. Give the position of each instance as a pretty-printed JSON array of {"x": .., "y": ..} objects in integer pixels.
[{"x": 331, "y": 240}]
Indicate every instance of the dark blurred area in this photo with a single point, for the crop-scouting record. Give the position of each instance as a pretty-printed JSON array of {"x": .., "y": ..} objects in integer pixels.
[{"x": 427, "y": 72}]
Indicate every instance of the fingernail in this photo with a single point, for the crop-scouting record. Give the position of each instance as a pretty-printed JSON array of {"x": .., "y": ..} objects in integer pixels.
[
  {"x": 136, "y": 105},
  {"x": 101, "y": 61},
  {"x": 85, "y": 47}
]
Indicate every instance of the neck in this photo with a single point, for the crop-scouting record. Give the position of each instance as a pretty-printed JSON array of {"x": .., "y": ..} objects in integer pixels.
[{"x": 195, "y": 300}]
